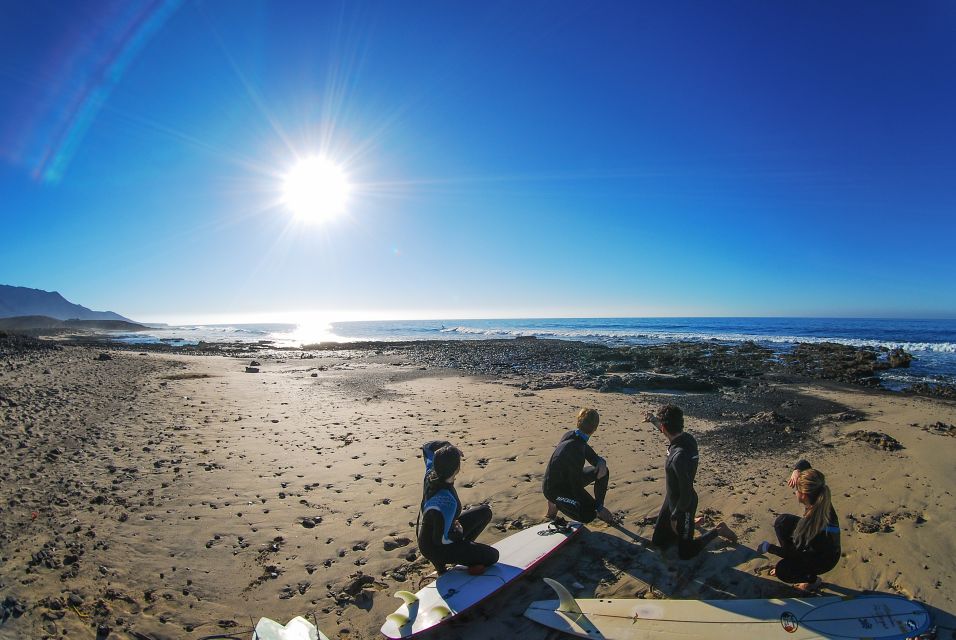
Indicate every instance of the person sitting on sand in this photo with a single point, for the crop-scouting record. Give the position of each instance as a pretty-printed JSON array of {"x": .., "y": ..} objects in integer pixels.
[
  {"x": 675, "y": 522},
  {"x": 447, "y": 534},
  {"x": 566, "y": 477},
  {"x": 809, "y": 545}
]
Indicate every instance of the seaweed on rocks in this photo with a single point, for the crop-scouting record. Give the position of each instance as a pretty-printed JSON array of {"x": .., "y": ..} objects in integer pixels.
[
  {"x": 934, "y": 390},
  {"x": 833, "y": 361}
]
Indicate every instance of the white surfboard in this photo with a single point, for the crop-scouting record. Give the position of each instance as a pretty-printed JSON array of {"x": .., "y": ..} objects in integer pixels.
[
  {"x": 298, "y": 628},
  {"x": 456, "y": 590},
  {"x": 883, "y": 617}
]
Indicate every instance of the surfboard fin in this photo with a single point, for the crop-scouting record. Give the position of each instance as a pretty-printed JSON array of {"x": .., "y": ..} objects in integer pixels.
[
  {"x": 407, "y": 596},
  {"x": 567, "y": 602},
  {"x": 398, "y": 619}
]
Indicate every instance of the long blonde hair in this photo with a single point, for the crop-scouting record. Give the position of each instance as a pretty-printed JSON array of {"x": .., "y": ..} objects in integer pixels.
[{"x": 815, "y": 518}]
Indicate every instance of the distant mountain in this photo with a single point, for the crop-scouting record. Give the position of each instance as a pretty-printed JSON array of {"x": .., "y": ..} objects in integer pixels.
[
  {"x": 42, "y": 323},
  {"x": 22, "y": 301}
]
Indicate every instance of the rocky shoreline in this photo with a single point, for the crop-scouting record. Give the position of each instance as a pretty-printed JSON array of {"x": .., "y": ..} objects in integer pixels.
[{"x": 537, "y": 364}]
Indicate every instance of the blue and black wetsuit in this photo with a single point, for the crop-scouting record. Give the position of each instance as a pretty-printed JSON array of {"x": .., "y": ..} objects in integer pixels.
[
  {"x": 444, "y": 544},
  {"x": 439, "y": 540},
  {"x": 807, "y": 562},
  {"x": 566, "y": 477}
]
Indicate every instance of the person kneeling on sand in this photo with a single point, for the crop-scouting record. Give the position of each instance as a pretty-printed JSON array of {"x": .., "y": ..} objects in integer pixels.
[
  {"x": 675, "y": 522},
  {"x": 809, "y": 545},
  {"x": 566, "y": 477},
  {"x": 447, "y": 534}
]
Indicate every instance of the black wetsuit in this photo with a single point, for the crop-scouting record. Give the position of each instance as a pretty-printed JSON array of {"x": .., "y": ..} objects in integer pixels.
[
  {"x": 566, "y": 477},
  {"x": 462, "y": 549},
  {"x": 680, "y": 500},
  {"x": 818, "y": 555}
]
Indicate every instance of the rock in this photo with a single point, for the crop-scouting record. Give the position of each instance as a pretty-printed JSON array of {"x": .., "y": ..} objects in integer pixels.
[
  {"x": 934, "y": 390},
  {"x": 315, "y": 375},
  {"x": 356, "y": 585},
  {"x": 899, "y": 359},
  {"x": 104, "y": 356},
  {"x": 941, "y": 428},
  {"x": 252, "y": 370},
  {"x": 12, "y": 606},
  {"x": 255, "y": 363},
  {"x": 767, "y": 417},
  {"x": 395, "y": 543},
  {"x": 877, "y": 439}
]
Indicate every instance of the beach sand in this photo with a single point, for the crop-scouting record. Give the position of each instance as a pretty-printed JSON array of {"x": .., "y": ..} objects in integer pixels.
[{"x": 180, "y": 497}]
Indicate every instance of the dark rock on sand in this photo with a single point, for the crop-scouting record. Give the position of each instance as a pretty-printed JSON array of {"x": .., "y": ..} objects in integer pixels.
[
  {"x": 357, "y": 584},
  {"x": 942, "y": 429},
  {"x": 391, "y": 544},
  {"x": 934, "y": 390},
  {"x": 877, "y": 439}
]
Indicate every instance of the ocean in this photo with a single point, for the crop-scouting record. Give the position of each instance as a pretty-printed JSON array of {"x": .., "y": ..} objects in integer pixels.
[{"x": 932, "y": 342}]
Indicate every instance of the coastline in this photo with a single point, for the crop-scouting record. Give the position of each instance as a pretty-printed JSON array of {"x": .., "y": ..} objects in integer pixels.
[{"x": 178, "y": 496}]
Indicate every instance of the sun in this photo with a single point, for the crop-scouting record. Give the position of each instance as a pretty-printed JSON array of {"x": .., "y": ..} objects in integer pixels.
[{"x": 316, "y": 190}]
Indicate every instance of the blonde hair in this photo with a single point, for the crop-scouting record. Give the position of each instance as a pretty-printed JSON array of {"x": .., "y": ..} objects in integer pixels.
[
  {"x": 815, "y": 518},
  {"x": 588, "y": 420}
]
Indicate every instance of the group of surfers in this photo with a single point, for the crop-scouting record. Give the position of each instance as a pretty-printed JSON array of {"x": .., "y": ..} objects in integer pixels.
[{"x": 807, "y": 545}]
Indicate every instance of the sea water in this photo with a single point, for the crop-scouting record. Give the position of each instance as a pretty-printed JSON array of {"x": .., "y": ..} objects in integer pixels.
[{"x": 932, "y": 342}]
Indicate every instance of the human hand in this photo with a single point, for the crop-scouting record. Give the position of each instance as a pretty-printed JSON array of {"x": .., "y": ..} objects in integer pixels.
[
  {"x": 792, "y": 480},
  {"x": 457, "y": 529},
  {"x": 763, "y": 547},
  {"x": 649, "y": 416},
  {"x": 602, "y": 468}
]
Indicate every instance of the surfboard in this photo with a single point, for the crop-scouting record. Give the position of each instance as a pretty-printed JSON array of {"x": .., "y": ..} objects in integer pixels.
[
  {"x": 298, "y": 628},
  {"x": 883, "y": 617},
  {"x": 456, "y": 591}
]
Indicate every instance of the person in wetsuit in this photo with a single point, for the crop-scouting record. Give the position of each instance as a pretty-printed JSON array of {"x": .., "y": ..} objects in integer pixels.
[
  {"x": 447, "y": 534},
  {"x": 809, "y": 545},
  {"x": 675, "y": 522},
  {"x": 566, "y": 477}
]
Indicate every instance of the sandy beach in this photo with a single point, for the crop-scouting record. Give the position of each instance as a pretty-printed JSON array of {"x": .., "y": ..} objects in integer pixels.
[{"x": 168, "y": 496}]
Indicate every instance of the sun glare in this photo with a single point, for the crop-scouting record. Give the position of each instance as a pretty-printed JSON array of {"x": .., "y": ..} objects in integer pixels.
[{"x": 316, "y": 190}]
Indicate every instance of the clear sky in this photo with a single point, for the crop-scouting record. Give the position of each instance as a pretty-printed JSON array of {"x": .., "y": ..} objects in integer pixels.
[{"x": 506, "y": 158}]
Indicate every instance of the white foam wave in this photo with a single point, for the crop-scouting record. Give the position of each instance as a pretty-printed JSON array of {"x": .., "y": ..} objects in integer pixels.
[{"x": 626, "y": 335}]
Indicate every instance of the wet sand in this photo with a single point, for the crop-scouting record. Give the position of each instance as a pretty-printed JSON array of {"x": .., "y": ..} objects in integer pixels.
[{"x": 163, "y": 496}]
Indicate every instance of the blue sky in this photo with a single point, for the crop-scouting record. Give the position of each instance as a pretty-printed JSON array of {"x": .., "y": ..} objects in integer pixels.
[{"x": 507, "y": 159}]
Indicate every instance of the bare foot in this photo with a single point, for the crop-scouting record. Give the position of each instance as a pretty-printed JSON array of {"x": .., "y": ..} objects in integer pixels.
[
  {"x": 699, "y": 520},
  {"x": 552, "y": 510},
  {"x": 809, "y": 587},
  {"x": 606, "y": 516},
  {"x": 726, "y": 532}
]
